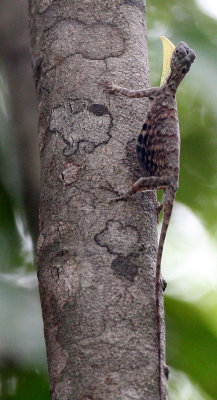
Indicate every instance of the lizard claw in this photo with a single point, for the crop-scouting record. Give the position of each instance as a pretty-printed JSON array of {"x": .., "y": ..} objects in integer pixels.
[
  {"x": 121, "y": 198},
  {"x": 108, "y": 87}
]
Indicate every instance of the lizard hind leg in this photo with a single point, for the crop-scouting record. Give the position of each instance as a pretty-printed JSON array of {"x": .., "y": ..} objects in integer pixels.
[
  {"x": 143, "y": 184},
  {"x": 147, "y": 183}
]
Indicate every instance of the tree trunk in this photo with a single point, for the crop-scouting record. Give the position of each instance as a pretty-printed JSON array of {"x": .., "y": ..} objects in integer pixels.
[{"x": 95, "y": 259}]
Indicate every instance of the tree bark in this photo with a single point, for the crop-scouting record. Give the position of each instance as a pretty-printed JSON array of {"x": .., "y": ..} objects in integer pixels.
[{"x": 95, "y": 259}]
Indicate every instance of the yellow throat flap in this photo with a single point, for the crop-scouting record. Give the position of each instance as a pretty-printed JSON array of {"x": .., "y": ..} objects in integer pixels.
[{"x": 168, "y": 48}]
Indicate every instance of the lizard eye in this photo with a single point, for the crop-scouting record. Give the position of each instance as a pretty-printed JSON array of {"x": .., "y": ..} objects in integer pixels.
[
  {"x": 184, "y": 70},
  {"x": 187, "y": 51},
  {"x": 177, "y": 51}
]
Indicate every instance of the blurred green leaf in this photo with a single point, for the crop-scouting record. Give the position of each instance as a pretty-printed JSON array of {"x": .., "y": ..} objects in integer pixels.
[
  {"x": 9, "y": 239},
  {"x": 198, "y": 175},
  {"x": 19, "y": 383},
  {"x": 191, "y": 345}
]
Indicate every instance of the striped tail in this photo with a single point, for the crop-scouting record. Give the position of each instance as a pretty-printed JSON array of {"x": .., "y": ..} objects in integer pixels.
[{"x": 169, "y": 196}]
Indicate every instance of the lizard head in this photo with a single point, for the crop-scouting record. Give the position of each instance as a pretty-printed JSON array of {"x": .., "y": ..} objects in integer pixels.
[
  {"x": 176, "y": 62},
  {"x": 181, "y": 60}
]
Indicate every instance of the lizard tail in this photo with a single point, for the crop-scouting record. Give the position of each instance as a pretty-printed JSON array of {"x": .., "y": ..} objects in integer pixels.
[{"x": 169, "y": 196}]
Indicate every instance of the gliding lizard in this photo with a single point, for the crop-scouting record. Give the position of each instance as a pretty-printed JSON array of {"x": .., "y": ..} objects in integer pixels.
[{"x": 158, "y": 150}]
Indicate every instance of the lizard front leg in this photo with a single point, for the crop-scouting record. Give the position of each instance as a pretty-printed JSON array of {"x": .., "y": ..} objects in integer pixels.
[{"x": 114, "y": 89}]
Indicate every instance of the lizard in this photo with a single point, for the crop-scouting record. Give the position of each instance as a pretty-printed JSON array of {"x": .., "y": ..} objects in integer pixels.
[{"x": 158, "y": 150}]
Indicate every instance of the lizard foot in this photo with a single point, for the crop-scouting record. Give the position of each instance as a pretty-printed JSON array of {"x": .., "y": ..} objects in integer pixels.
[
  {"x": 120, "y": 198},
  {"x": 159, "y": 208},
  {"x": 166, "y": 371},
  {"x": 163, "y": 284},
  {"x": 108, "y": 87}
]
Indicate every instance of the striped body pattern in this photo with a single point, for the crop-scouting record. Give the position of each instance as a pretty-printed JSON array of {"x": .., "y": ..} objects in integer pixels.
[
  {"x": 159, "y": 141},
  {"x": 158, "y": 150}
]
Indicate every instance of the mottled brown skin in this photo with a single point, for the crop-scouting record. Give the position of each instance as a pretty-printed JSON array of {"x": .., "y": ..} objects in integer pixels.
[{"x": 158, "y": 150}]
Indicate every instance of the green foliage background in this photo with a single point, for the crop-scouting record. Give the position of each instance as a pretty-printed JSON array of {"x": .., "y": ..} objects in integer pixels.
[{"x": 191, "y": 325}]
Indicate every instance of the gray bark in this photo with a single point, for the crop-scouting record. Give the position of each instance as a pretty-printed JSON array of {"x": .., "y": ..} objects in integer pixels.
[{"x": 95, "y": 259}]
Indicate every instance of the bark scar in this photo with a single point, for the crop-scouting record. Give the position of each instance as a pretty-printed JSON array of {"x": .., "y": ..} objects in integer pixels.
[
  {"x": 119, "y": 240},
  {"x": 74, "y": 120},
  {"x": 123, "y": 267}
]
